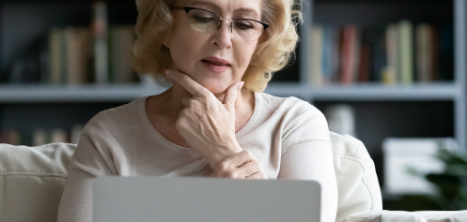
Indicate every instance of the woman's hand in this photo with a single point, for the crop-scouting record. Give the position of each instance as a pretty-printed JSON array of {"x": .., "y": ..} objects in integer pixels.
[
  {"x": 207, "y": 124},
  {"x": 243, "y": 165}
]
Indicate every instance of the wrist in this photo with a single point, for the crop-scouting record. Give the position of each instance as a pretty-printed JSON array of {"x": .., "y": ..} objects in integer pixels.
[{"x": 221, "y": 153}]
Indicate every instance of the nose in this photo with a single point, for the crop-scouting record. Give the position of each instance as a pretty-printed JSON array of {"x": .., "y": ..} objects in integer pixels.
[{"x": 223, "y": 34}]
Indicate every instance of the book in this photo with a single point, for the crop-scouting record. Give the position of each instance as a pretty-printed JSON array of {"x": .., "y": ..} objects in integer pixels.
[
  {"x": 14, "y": 137},
  {"x": 78, "y": 42},
  {"x": 56, "y": 49},
  {"x": 405, "y": 52},
  {"x": 392, "y": 71},
  {"x": 327, "y": 54},
  {"x": 368, "y": 39},
  {"x": 379, "y": 62},
  {"x": 39, "y": 137},
  {"x": 58, "y": 135},
  {"x": 398, "y": 53},
  {"x": 316, "y": 45},
  {"x": 425, "y": 57},
  {"x": 348, "y": 52},
  {"x": 100, "y": 33},
  {"x": 121, "y": 43}
]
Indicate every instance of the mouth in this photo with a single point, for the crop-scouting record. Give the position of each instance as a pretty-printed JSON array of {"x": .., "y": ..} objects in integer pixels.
[
  {"x": 216, "y": 61},
  {"x": 216, "y": 65}
]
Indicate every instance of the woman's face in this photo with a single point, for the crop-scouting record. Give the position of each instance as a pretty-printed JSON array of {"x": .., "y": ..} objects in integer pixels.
[{"x": 190, "y": 48}]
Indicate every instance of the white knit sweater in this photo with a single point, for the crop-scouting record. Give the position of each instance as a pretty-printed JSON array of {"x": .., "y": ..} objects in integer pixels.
[{"x": 289, "y": 137}]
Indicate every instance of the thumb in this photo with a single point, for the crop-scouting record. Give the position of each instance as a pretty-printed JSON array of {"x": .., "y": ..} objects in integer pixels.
[{"x": 231, "y": 94}]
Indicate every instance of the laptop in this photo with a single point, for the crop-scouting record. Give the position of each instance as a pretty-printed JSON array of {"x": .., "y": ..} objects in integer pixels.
[{"x": 179, "y": 199}]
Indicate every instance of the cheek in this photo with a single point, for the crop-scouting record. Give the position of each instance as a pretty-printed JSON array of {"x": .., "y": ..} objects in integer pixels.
[
  {"x": 243, "y": 57},
  {"x": 182, "y": 49}
]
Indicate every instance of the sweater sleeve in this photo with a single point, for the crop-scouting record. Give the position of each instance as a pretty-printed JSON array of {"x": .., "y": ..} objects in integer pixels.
[
  {"x": 92, "y": 158},
  {"x": 307, "y": 155}
]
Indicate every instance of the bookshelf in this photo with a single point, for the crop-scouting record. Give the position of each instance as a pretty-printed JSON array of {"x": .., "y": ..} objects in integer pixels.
[
  {"x": 434, "y": 109},
  {"x": 420, "y": 110}
]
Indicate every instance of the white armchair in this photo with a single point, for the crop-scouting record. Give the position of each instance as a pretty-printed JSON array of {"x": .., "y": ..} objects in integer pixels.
[{"x": 32, "y": 179}]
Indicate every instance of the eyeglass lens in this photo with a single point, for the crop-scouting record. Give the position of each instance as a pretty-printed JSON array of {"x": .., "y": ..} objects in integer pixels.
[{"x": 204, "y": 21}]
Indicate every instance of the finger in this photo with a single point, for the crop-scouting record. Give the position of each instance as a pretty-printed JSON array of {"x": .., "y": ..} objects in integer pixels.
[
  {"x": 233, "y": 162},
  {"x": 257, "y": 175},
  {"x": 186, "y": 102},
  {"x": 241, "y": 158},
  {"x": 232, "y": 92},
  {"x": 186, "y": 82},
  {"x": 182, "y": 114},
  {"x": 248, "y": 169}
]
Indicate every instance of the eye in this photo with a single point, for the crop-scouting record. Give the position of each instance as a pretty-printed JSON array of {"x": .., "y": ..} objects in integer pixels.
[
  {"x": 244, "y": 25},
  {"x": 203, "y": 19}
]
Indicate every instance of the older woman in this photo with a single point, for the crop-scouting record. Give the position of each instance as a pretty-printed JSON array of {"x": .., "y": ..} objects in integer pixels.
[{"x": 214, "y": 120}]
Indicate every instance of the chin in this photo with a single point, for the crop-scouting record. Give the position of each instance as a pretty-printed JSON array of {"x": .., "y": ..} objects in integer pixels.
[{"x": 215, "y": 87}]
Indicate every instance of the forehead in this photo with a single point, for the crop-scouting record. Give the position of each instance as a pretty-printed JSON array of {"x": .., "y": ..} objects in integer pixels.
[{"x": 248, "y": 7}]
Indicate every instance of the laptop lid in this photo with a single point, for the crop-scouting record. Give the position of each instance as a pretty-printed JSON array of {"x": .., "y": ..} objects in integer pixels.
[{"x": 144, "y": 199}]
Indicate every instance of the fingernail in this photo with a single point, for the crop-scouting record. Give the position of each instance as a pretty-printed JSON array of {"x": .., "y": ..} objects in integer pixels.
[
  {"x": 240, "y": 85},
  {"x": 167, "y": 72}
]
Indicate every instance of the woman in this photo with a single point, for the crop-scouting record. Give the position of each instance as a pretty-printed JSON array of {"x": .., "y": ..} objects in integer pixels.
[{"x": 214, "y": 121}]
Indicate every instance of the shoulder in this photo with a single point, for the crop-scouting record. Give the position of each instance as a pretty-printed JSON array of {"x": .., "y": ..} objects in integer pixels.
[
  {"x": 116, "y": 118},
  {"x": 291, "y": 107},
  {"x": 299, "y": 120}
]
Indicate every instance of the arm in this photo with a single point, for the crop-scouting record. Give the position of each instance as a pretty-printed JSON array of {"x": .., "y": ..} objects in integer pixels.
[
  {"x": 308, "y": 156},
  {"x": 76, "y": 202},
  {"x": 242, "y": 165},
  {"x": 89, "y": 161}
]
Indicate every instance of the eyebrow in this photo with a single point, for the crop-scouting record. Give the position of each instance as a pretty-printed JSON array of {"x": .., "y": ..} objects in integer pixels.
[{"x": 250, "y": 11}]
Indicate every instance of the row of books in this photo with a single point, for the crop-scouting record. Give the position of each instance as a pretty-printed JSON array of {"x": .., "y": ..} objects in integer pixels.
[
  {"x": 398, "y": 53},
  {"x": 39, "y": 137},
  {"x": 75, "y": 55}
]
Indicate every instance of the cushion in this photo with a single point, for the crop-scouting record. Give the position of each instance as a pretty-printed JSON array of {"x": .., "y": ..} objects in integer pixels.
[
  {"x": 358, "y": 186},
  {"x": 402, "y": 216},
  {"x": 32, "y": 181}
]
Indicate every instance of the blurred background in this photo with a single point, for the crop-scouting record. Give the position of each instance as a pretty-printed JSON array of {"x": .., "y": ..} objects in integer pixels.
[{"x": 388, "y": 72}]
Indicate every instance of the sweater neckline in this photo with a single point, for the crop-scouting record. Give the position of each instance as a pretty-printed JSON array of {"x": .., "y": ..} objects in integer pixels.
[{"x": 190, "y": 151}]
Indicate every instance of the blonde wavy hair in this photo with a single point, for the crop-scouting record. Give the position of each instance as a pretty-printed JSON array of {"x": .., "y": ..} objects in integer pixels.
[{"x": 275, "y": 50}]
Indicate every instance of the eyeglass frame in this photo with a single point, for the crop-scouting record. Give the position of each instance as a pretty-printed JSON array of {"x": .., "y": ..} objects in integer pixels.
[{"x": 188, "y": 9}]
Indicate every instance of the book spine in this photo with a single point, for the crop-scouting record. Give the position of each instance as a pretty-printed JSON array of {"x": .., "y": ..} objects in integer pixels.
[
  {"x": 316, "y": 55},
  {"x": 406, "y": 52},
  {"x": 121, "y": 42},
  {"x": 55, "y": 55},
  {"x": 39, "y": 137},
  {"x": 348, "y": 54},
  {"x": 392, "y": 53},
  {"x": 100, "y": 30},
  {"x": 424, "y": 56},
  {"x": 71, "y": 65}
]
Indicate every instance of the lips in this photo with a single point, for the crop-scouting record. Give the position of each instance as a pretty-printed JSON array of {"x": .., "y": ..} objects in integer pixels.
[
  {"x": 216, "y": 61},
  {"x": 216, "y": 65}
]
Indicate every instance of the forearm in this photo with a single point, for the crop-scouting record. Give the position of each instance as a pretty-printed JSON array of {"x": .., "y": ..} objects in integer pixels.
[
  {"x": 76, "y": 200},
  {"x": 218, "y": 154},
  {"x": 313, "y": 160}
]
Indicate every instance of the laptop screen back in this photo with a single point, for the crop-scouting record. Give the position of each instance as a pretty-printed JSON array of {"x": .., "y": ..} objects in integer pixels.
[{"x": 144, "y": 199}]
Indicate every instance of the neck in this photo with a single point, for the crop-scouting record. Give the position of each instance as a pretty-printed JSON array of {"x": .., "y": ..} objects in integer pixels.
[{"x": 174, "y": 95}]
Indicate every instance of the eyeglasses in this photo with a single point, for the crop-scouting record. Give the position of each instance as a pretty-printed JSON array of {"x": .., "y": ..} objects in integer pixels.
[{"x": 203, "y": 20}]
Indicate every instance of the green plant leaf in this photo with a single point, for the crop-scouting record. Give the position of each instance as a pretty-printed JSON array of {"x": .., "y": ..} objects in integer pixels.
[{"x": 449, "y": 186}]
